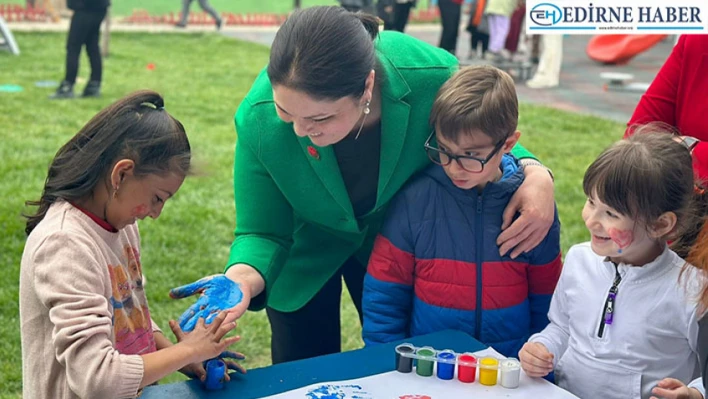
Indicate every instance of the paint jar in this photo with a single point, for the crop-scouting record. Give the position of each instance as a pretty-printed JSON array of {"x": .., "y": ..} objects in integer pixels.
[
  {"x": 215, "y": 369},
  {"x": 446, "y": 364},
  {"x": 466, "y": 367},
  {"x": 510, "y": 373},
  {"x": 488, "y": 370},
  {"x": 404, "y": 358},
  {"x": 426, "y": 360}
]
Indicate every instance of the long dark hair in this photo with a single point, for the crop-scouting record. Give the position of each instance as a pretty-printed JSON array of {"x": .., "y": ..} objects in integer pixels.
[
  {"x": 645, "y": 176},
  {"x": 135, "y": 127},
  {"x": 327, "y": 52}
]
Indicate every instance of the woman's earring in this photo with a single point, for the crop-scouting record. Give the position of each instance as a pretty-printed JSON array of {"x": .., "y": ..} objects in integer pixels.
[
  {"x": 115, "y": 191},
  {"x": 366, "y": 113}
]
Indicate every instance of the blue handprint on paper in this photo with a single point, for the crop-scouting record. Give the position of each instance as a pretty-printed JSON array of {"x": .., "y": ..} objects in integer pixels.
[
  {"x": 338, "y": 392},
  {"x": 219, "y": 293}
]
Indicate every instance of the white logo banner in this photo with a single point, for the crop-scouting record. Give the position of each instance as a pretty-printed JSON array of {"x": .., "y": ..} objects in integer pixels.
[{"x": 617, "y": 17}]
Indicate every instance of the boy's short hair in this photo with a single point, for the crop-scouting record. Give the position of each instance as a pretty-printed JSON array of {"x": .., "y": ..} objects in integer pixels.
[{"x": 476, "y": 98}]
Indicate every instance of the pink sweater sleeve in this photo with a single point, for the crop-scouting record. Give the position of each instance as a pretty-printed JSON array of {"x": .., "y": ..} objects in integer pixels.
[{"x": 70, "y": 282}]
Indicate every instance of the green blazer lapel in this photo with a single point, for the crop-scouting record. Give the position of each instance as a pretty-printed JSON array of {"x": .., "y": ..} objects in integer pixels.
[
  {"x": 324, "y": 163},
  {"x": 394, "y": 122}
]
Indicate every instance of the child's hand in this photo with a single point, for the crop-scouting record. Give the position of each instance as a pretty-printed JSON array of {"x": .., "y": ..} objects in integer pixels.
[
  {"x": 206, "y": 342},
  {"x": 671, "y": 388},
  {"x": 536, "y": 360}
]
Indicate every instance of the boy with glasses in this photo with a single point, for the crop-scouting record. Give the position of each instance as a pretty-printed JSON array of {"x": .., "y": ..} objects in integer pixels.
[{"x": 435, "y": 264}]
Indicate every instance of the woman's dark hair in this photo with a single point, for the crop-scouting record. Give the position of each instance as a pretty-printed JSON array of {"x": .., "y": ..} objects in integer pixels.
[
  {"x": 326, "y": 52},
  {"x": 645, "y": 176},
  {"x": 135, "y": 127}
]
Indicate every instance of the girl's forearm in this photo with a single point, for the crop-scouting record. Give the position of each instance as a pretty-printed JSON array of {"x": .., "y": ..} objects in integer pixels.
[{"x": 157, "y": 365}]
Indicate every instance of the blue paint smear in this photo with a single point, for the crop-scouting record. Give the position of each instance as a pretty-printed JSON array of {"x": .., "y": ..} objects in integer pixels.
[
  {"x": 219, "y": 293},
  {"x": 339, "y": 392}
]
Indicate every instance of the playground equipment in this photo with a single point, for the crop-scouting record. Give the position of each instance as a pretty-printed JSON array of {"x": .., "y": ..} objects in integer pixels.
[
  {"x": 620, "y": 49},
  {"x": 7, "y": 41},
  {"x": 617, "y": 81}
]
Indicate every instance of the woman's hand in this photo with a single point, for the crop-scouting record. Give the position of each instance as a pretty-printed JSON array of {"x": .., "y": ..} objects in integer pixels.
[
  {"x": 218, "y": 293},
  {"x": 535, "y": 204}
]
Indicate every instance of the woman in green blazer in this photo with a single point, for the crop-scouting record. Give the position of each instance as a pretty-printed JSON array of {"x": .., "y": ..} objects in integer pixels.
[{"x": 327, "y": 135}]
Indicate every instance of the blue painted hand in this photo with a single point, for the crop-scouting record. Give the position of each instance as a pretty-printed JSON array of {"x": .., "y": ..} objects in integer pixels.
[{"x": 218, "y": 293}]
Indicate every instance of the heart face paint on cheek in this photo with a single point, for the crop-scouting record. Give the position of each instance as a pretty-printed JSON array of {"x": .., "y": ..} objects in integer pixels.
[
  {"x": 139, "y": 210},
  {"x": 623, "y": 238}
]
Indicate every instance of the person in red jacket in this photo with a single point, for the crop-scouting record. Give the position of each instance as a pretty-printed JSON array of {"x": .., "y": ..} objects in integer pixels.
[{"x": 678, "y": 96}]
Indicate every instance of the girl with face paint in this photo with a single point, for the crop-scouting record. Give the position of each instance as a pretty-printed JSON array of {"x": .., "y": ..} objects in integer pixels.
[{"x": 622, "y": 325}]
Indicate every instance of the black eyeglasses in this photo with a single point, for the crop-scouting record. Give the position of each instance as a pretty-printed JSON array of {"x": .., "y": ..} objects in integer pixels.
[{"x": 466, "y": 162}]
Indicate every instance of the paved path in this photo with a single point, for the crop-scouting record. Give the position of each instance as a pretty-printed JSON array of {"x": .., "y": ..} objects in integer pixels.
[{"x": 581, "y": 88}]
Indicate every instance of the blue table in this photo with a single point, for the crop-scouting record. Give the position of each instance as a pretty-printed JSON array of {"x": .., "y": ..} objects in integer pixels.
[{"x": 283, "y": 377}]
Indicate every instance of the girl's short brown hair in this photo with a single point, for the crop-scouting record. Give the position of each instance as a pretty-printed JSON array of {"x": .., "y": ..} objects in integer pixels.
[{"x": 644, "y": 176}]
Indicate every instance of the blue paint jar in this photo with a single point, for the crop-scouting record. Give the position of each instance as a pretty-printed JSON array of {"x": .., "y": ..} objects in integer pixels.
[
  {"x": 215, "y": 369},
  {"x": 446, "y": 364}
]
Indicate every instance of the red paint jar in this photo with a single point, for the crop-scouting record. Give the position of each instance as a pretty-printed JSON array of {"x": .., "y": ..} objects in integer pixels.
[{"x": 466, "y": 367}]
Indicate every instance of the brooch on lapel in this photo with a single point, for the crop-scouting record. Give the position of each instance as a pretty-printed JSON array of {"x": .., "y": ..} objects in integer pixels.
[{"x": 313, "y": 152}]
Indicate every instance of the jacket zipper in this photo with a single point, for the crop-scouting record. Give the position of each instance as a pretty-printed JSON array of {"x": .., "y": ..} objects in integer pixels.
[
  {"x": 480, "y": 235},
  {"x": 609, "y": 310}
]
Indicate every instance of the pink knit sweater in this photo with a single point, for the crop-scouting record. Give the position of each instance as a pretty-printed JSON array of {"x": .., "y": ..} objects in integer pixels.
[{"x": 83, "y": 311}]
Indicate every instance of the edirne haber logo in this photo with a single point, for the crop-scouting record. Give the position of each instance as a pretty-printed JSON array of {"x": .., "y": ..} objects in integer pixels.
[{"x": 617, "y": 16}]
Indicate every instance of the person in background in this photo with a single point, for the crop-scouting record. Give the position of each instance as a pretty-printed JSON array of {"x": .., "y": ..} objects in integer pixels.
[
  {"x": 478, "y": 27},
  {"x": 450, "y": 14},
  {"x": 396, "y": 13},
  {"x": 678, "y": 96},
  {"x": 84, "y": 30},
  {"x": 498, "y": 13},
  {"x": 548, "y": 73},
  {"x": 204, "y": 4},
  {"x": 357, "y": 5}
]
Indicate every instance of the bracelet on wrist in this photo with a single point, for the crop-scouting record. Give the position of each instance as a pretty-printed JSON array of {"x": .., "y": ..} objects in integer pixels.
[{"x": 532, "y": 162}]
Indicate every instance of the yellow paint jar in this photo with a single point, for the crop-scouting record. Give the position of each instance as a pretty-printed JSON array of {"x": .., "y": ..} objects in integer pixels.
[{"x": 488, "y": 370}]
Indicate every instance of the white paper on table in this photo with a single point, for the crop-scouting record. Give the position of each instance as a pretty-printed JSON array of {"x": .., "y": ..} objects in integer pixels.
[{"x": 395, "y": 385}]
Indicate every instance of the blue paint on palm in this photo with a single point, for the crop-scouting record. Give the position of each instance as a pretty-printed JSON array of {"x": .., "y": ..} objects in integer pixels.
[{"x": 219, "y": 293}]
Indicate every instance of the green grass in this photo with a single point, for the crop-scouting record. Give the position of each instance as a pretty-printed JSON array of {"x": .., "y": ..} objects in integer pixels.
[
  {"x": 161, "y": 7},
  {"x": 203, "y": 79}
]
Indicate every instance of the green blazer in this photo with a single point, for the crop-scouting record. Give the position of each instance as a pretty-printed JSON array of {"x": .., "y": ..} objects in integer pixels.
[{"x": 294, "y": 220}]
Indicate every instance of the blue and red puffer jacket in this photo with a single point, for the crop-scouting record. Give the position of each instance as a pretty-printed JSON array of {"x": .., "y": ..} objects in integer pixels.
[{"x": 436, "y": 265}]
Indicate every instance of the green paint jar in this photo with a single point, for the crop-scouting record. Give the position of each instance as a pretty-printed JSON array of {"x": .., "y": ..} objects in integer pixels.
[{"x": 425, "y": 362}]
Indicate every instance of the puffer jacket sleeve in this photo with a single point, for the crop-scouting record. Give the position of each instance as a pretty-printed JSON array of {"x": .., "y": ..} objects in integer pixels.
[{"x": 388, "y": 285}]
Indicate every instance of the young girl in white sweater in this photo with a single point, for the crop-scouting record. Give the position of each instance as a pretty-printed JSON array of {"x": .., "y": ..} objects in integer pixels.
[
  {"x": 85, "y": 323},
  {"x": 621, "y": 322}
]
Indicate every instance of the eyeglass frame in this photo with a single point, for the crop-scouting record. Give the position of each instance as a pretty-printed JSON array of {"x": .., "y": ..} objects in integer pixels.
[{"x": 457, "y": 158}]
